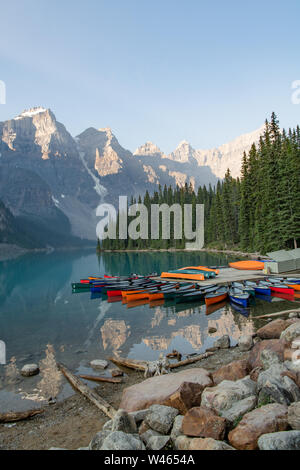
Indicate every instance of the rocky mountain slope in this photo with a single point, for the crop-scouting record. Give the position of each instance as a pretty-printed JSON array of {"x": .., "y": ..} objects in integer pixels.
[{"x": 55, "y": 182}]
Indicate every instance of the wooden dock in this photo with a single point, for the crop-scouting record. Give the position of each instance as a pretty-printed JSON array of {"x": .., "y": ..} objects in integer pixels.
[{"x": 228, "y": 275}]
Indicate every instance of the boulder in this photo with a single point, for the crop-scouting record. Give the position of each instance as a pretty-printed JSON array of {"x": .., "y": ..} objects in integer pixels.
[
  {"x": 269, "y": 358},
  {"x": 208, "y": 444},
  {"x": 29, "y": 370},
  {"x": 227, "y": 393},
  {"x": 122, "y": 421},
  {"x": 203, "y": 422},
  {"x": 245, "y": 342},
  {"x": 273, "y": 329},
  {"x": 119, "y": 440},
  {"x": 275, "y": 345},
  {"x": 296, "y": 343},
  {"x": 161, "y": 418},
  {"x": 143, "y": 428},
  {"x": 294, "y": 416},
  {"x": 99, "y": 364},
  {"x": 177, "y": 428},
  {"x": 291, "y": 333},
  {"x": 234, "y": 371},
  {"x": 239, "y": 409},
  {"x": 222, "y": 343},
  {"x": 286, "y": 440},
  {"x": 274, "y": 386},
  {"x": 264, "y": 420},
  {"x": 158, "y": 390},
  {"x": 98, "y": 439},
  {"x": 155, "y": 441}
]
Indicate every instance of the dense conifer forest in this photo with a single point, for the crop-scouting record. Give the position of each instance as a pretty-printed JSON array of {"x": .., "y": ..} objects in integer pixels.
[{"x": 258, "y": 212}]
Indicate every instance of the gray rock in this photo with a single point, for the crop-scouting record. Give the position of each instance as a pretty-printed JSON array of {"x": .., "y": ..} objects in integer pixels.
[
  {"x": 98, "y": 439},
  {"x": 294, "y": 416},
  {"x": 139, "y": 415},
  {"x": 226, "y": 394},
  {"x": 160, "y": 418},
  {"x": 245, "y": 342},
  {"x": 116, "y": 373},
  {"x": 176, "y": 430},
  {"x": 285, "y": 440},
  {"x": 29, "y": 370},
  {"x": 158, "y": 442},
  {"x": 240, "y": 408},
  {"x": 291, "y": 333},
  {"x": 147, "y": 435},
  {"x": 99, "y": 364},
  {"x": 83, "y": 448},
  {"x": 274, "y": 387},
  {"x": 296, "y": 343},
  {"x": 222, "y": 343},
  {"x": 122, "y": 421},
  {"x": 269, "y": 358},
  {"x": 119, "y": 440}
]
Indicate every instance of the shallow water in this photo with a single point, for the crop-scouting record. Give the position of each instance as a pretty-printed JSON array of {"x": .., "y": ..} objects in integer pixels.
[{"x": 37, "y": 308}]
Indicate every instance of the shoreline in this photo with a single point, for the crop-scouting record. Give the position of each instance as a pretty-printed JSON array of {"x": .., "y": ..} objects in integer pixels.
[{"x": 73, "y": 422}]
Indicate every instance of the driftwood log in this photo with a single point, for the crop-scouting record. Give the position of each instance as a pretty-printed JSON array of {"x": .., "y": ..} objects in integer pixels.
[
  {"x": 87, "y": 392},
  {"x": 142, "y": 365},
  {"x": 94, "y": 378},
  {"x": 277, "y": 314},
  {"x": 129, "y": 363},
  {"x": 12, "y": 416}
]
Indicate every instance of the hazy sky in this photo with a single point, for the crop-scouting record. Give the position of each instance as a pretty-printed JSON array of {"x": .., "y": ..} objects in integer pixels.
[{"x": 159, "y": 70}]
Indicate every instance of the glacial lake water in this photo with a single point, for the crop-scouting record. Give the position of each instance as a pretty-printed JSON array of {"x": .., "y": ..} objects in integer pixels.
[{"x": 37, "y": 308}]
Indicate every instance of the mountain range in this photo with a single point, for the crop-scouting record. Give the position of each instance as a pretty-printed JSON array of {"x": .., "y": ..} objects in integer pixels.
[{"x": 51, "y": 183}]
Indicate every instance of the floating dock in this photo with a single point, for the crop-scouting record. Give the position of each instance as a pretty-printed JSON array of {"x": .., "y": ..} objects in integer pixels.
[{"x": 228, "y": 275}]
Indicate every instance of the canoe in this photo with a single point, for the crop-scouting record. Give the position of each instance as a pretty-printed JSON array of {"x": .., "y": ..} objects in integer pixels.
[
  {"x": 248, "y": 265},
  {"x": 80, "y": 286},
  {"x": 155, "y": 296},
  {"x": 202, "y": 268},
  {"x": 258, "y": 288},
  {"x": 189, "y": 297},
  {"x": 217, "y": 296},
  {"x": 239, "y": 297},
  {"x": 294, "y": 286},
  {"x": 282, "y": 289},
  {"x": 246, "y": 289},
  {"x": 136, "y": 296},
  {"x": 192, "y": 277}
]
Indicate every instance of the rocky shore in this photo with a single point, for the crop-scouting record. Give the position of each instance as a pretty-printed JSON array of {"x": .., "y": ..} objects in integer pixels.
[{"x": 241, "y": 398}]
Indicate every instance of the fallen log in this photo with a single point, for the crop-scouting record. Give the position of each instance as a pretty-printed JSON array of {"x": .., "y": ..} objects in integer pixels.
[
  {"x": 277, "y": 314},
  {"x": 191, "y": 360},
  {"x": 87, "y": 392},
  {"x": 129, "y": 363},
  {"x": 13, "y": 416},
  {"x": 94, "y": 378}
]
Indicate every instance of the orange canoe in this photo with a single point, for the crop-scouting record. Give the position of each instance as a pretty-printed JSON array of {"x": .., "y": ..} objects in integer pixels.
[
  {"x": 156, "y": 296},
  {"x": 215, "y": 300},
  {"x": 194, "y": 277},
  {"x": 137, "y": 296},
  {"x": 294, "y": 286},
  {"x": 248, "y": 265}
]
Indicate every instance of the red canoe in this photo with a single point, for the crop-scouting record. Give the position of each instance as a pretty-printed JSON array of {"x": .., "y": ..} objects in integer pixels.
[{"x": 282, "y": 290}]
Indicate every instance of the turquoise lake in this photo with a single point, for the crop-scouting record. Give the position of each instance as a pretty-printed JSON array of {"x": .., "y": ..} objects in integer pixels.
[{"x": 37, "y": 308}]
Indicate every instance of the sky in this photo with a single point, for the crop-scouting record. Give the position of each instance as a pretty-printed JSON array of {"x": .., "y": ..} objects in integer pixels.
[{"x": 160, "y": 70}]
